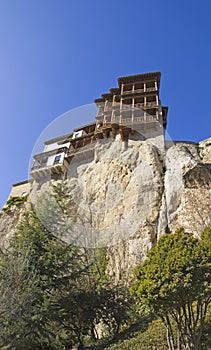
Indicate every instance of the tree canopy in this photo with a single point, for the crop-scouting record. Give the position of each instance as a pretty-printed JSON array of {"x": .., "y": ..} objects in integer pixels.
[
  {"x": 175, "y": 283},
  {"x": 52, "y": 294}
]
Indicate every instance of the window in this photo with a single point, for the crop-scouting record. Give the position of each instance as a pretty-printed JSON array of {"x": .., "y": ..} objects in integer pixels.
[
  {"x": 57, "y": 159},
  {"x": 77, "y": 134}
]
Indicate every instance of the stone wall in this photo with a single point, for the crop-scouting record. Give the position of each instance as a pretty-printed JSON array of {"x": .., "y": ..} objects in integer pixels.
[
  {"x": 20, "y": 189},
  {"x": 127, "y": 197}
]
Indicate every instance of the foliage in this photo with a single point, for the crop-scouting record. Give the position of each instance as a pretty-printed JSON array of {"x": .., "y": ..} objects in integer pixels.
[
  {"x": 175, "y": 283},
  {"x": 36, "y": 273},
  {"x": 97, "y": 262},
  {"x": 106, "y": 306},
  {"x": 154, "y": 338},
  {"x": 52, "y": 294},
  {"x": 13, "y": 201},
  {"x": 206, "y": 242}
]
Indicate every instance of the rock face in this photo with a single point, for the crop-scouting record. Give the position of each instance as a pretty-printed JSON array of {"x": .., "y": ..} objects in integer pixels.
[
  {"x": 127, "y": 195},
  {"x": 186, "y": 199},
  {"x": 8, "y": 223}
]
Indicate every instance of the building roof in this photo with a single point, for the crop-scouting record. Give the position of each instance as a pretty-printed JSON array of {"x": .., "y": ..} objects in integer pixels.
[
  {"x": 57, "y": 139},
  {"x": 140, "y": 77},
  {"x": 21, "y": 183},
  {"x": 108, "y": 95},
  {"x": 129, "y": 79},
  {"x": 85, "y": 126},
  {"x": 99, "y": 100},
  {"x": 115, "y": 90}
]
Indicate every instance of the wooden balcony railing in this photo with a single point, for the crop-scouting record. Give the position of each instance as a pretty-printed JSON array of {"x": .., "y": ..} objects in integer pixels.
[
  {"x": 137, "y": 91},
  {"x": 132, "y": 120},
  {"x": 124, "y": 106}
]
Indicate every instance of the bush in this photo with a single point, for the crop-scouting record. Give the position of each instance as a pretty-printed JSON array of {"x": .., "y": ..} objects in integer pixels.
[
  {"x": 14, "y": 201},
  {"x": 154, "y": 338}
]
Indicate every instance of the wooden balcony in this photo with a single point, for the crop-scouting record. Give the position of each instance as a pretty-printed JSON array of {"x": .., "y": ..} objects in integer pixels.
[
  {"x": 40, "y": 171},
  {"x": 129, "y": 92},
  {"x": 138, "y": 120},
  {"x": 139, "y": 91},
  {"x": 48, "y": 163},
  {"x": 125, "y": 106},
  {"x": 123, "y": 120}
]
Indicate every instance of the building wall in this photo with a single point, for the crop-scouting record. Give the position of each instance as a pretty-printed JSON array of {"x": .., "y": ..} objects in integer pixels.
[
  {"x": 52, "y": 146},
  {"x": 51, "y": 159},
  {"x": 20, "y": 189}
]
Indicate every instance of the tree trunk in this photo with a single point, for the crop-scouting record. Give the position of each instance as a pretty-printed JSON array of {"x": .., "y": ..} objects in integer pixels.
[
  {"x": 179, "y": 340},
  {"x": 169, "y": 334}
]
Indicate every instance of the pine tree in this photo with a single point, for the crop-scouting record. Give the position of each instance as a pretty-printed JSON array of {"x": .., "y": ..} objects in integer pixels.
[
  {"x": 175, "y": 283},
  {"x": 37, "y": 271}
]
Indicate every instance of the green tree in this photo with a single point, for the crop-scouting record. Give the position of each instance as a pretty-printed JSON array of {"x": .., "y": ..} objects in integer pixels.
[
  {"x": 104, "y": 307},
  {"x": 175, "y": 283},
  {"x": 37, "y": 271},
  {"x": 53, "y": 294}
]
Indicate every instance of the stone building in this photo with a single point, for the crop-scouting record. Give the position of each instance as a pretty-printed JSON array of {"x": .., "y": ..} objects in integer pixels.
[
  {"x": 127, "y": 184},
  {"x": 132, "y": 111}
]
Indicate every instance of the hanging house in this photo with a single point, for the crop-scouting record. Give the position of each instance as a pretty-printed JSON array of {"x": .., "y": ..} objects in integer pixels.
[{"x": 131, "y": 111}]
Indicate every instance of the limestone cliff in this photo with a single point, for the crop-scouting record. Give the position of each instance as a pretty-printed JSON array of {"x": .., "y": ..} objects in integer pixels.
[{"x": 127, "y": 195}]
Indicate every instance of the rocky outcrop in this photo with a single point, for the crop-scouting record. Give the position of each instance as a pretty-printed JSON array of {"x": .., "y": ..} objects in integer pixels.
[
  {"x": 127, "y": 195},
  {"x": 205, "y": 151},
  {"x": 186, "y": 198},
  {"x": 8, "y": 224}
]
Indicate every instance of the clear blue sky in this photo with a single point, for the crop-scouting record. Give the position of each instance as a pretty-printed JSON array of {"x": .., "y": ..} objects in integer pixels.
[{"x": 59, "y": 54}]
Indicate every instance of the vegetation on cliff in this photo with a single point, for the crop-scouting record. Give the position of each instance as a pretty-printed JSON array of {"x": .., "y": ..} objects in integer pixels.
[
  {"x": 54, "y": 295},
  {"x": 13, "y": 201},
  {"x": 174, "y": 282}
]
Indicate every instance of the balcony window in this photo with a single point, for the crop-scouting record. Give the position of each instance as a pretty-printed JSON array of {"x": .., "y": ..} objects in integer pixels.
[
  {"x": 57, "y": 159},
  {"x": 77, "y": 134}
]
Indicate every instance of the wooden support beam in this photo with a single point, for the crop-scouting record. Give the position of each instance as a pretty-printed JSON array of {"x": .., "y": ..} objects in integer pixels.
[
  {"x": 114, "y": 130},
  {"x": 105, "y": 134},
  {"x": 124, "y": 133}
]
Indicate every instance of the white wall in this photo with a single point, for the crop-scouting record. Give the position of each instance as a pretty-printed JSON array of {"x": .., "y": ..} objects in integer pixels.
[
  {"x": 55, "y": 145},
  {"x": 78, "y": 134},
  {"x": 51, "y": 159},
  {"x": 20, "y": 190}
]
